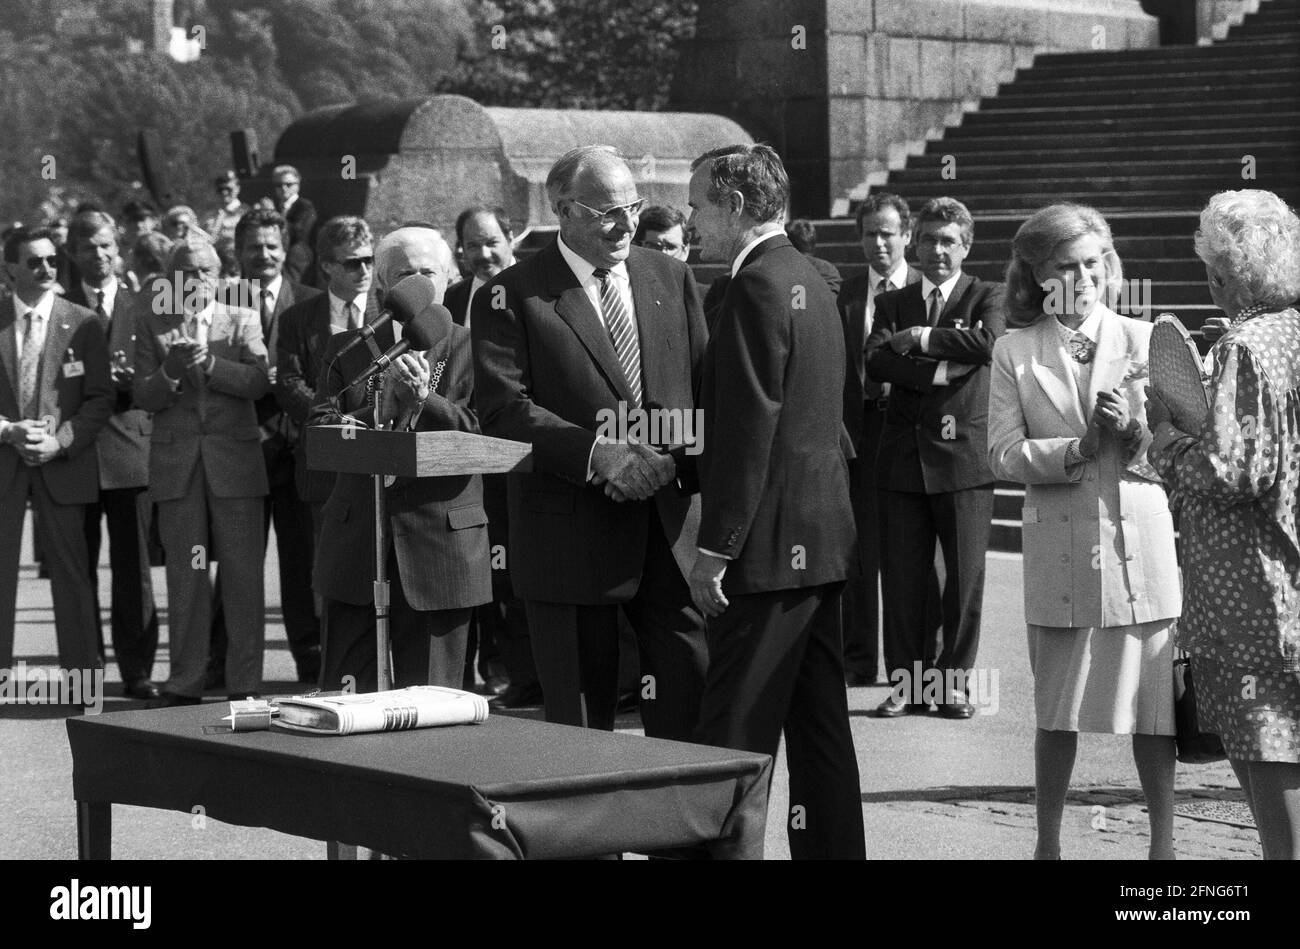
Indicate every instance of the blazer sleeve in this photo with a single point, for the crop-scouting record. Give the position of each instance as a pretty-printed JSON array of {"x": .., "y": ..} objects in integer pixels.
[
  {"x": 152, "y": 391},
  {"x": 974, "y": 344},
  {"x": 885, "y": 365},
  {"x": 749, "y": 359},
  {"x": 78, "y": 433},
  {"x": 247, "y": 377},
  {"x": 291, "y": 384},
  {"x": 1013, "y": 455},
  {"x": 503, "y": 378}
]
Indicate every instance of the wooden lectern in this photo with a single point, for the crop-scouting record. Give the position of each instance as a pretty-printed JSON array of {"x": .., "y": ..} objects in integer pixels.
[{"x": 351, "y": 449}]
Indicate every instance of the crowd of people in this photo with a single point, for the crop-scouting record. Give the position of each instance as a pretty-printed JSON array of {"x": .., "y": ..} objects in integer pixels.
[{"x": 160, "y": 374}]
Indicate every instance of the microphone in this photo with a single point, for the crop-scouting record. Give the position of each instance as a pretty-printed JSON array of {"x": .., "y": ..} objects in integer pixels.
[
  {"x": 422, "y": 331},
  {"x": 411, "y": 295}
]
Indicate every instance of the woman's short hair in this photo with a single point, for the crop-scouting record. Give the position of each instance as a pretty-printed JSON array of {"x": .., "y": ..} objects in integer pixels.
[
  {"x": 1033, "y": 245},
  {"x": 1252, "y": 239}
]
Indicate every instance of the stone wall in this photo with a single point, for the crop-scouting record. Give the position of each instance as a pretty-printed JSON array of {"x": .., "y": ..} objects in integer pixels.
[
  {"x": 428, "y": 158},
  {"x": 875, "y": 78}
]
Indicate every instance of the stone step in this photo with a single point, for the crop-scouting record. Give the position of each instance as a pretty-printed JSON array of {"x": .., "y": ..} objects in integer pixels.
[
  {"x": 1244, "y": 89},
  {"x": 1042, "y": 123},
  {"x": 1137, "y": 137},
  {"x": 1167, "y": 56},
  {"x": 1116, "y": 186},
  {"x": 977, "y": 167},
  {"x": 1028, "y": 202},
  {"x": 1085, "y": 85}
]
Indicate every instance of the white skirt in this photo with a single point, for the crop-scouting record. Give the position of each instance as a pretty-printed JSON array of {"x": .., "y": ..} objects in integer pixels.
[{"x": 1115, "y": 680}]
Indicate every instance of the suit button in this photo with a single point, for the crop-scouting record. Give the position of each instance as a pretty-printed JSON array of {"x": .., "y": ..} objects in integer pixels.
[
  {"x": 1133, "y": 598},
  {"x": 1065, "y": 599},
  {"x": 1128, "y": 559}
]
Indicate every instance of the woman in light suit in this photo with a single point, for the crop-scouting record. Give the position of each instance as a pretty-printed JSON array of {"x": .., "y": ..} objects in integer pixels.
[{"x": 1101, "y": 579}]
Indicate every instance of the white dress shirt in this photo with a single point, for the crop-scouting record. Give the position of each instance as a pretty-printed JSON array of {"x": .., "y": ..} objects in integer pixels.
[
  {"x": 41, "y": 321},
  {"x": 109, "y": 289},
  {"x": 338, "y": 321},
  {"x": 945, "y": 292}
]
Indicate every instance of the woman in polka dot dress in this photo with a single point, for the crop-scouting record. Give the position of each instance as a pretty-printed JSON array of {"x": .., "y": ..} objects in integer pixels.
[{"x": 1239, "y": 481}]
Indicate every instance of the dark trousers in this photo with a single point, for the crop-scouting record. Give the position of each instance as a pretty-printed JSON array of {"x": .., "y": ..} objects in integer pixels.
[
  {"x": 961, "y": 522},
  {"x": 133, "y": 617},
  {"x": 428, "y": 645},
  {"x": 774, "y": 665},
  {"x": 61, "y": 529},
  {"x": 577, "y": 653},
  {"x": 295, "y": 545}
]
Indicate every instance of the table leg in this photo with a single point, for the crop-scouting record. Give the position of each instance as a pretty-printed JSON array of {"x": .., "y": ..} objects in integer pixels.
[{"x": 94, "y": 830}]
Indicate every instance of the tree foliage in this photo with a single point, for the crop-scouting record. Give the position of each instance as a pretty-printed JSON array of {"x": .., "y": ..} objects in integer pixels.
[{"x": 79, "y": 79}]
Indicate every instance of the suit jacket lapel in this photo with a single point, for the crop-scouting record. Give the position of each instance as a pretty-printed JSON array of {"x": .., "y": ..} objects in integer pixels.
[
  {"x": 573, "y": 306},
  {"x": 1110, "y": 361},
  {"x": 655, "y": 338},
  {"x": 959, "y": 289},
  {"x": 57, "y": 336},
  {"x": 9, "y": 344},
  {"x": 1051, "y": 368}
]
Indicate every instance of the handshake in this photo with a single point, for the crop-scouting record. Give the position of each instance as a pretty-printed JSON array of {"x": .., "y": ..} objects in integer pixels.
[{"x": 631, "y": 472}]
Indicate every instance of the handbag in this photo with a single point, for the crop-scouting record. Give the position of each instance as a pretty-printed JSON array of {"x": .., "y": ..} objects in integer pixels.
[{"x": 1194, "y": 746}]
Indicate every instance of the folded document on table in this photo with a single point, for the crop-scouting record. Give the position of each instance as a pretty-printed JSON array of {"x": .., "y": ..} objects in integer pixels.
[{"x": 420, "y": 706}]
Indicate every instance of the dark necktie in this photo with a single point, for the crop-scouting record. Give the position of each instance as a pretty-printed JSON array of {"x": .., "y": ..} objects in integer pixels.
[
  {"x": 621, "y": 332},
  {"x": 103, "y": 314},
  {"x": 268, "y": 335},
  {"x": 936, "y": 306}
]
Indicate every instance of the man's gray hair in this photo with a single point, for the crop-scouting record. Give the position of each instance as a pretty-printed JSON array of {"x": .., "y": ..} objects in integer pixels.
[
  {"x": 756, "y": 172},
  {"x": 567, "y": 168}
]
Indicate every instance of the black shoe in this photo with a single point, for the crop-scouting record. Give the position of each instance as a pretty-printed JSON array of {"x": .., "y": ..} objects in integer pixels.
[
  {"x": 856, "y": 679},
  {"x": 171, "y": 700},
  {"x": 957, "y": 707},
  {"x": 519, "y": 696},
  {"x": 142, "y": 688},
  {"x": 215, "y": 678},
  {"x": 308, "y": 662},
  {"x": 496, "y": 685},
  {"x": 242, "y": 696},
  {"x": 892, "y": 707}
]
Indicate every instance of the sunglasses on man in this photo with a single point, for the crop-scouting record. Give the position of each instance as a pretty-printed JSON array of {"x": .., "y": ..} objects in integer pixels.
[{"x": 36, "y": 263}]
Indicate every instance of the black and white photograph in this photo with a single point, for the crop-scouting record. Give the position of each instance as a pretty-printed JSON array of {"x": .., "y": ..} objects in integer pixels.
[{"x": 668, "y": 430}]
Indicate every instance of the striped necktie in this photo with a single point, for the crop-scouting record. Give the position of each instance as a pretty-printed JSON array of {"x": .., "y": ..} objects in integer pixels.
[
  {"x": 29, "y": 363},
  {"x": 936, "y": 306},
  {"x": 622, "y": 332}
]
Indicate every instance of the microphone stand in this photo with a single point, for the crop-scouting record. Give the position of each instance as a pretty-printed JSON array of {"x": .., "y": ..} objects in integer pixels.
[{"x": 383, "y": 635}]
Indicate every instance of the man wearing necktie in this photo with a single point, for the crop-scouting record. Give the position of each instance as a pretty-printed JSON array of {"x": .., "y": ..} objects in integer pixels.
[
  {"x": 343, "y": 247},
  {"x": 123, "y": 451},
  {"x": 587, "y": 328},
  {"x": 932, "y": 342},
  {"x": 884, "y": 224},
  {"x": 260, "y": 242},
  {"x": 200, "y": 368},
  {"x": 56, "y": 393}
]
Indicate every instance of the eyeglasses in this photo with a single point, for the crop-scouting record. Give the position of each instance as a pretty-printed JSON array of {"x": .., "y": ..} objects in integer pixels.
[
  {"x": 286, "y": 184},
  {"x": 354, "y": 264},
  {"x": 614, "y": 214},
  {"x": 35, "y": 263},
  {"x": 666, "y": 247}
]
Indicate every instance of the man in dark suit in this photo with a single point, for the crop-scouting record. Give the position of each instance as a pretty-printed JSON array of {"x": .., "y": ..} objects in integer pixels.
[
  {"x": 933, "y": 342},
  {"x": 438, "y": 562},
  {"x": 884, "y": 224},
  {"x": 343, "y": 245},
  {"x": 589, "y": 331},
  {"x": 300, "y": 215},
  {"x": 776, "y": 533},
  {"x": 200, "y": 368},
  {"x": 123, "y": 451},
  {"x": 56, "y": 393},
  {"x": 260, "y": 241},
  {"x": 485, "y": 239}
]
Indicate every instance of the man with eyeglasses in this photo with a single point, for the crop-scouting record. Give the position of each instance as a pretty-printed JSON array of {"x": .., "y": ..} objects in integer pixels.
[
  {"x": 663, "y": 229},
  {"x": 301, "y": 216},
  {"x": 56, "y": 393},
  {"x": 587, "y": 329},
  {"x": 200, "y": 367},
  {"x": 223, "y": 222},
  {"x": 345, "y": 249},
  {"x": 438, "y": 564}
]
